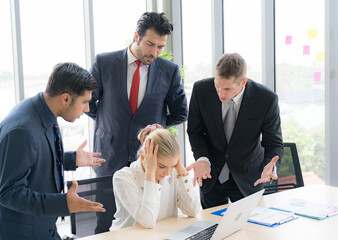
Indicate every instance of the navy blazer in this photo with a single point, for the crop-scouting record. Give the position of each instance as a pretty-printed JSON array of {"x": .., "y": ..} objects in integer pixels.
[
  {"x": 116, "y": 128},
  {"x": 255, "y": 140},
  {"x": 29, "y": 188}
]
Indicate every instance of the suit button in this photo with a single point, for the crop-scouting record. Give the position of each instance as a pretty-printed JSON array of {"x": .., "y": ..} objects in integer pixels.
[
  {"x": 226, "y": 155},
  {"x": 217, "y": 169}
]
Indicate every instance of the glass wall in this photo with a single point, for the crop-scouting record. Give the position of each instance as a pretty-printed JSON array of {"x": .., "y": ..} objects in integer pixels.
[
  {"x": 50, "y": 36},
  {"x": 300, "y": 81},
  {"x": 243, "y": 33},
  {"x": 115, "y": 23},
  {"x": 7, "y": 94},
  {"x": 196, "y": 31}
]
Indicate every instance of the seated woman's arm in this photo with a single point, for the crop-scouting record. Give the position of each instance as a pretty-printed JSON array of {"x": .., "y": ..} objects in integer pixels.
[
  {"x": 144, "y": 205},
  {"x": 188, "y": 199}
]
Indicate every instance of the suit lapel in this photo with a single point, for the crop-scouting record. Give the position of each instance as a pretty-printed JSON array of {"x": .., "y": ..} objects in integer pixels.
[
  {"x": 153, "y": 75},
  {"x": 244, "y": 112},
  {"x": 48, "y": 132},
  {"x": 217, "y": 111},
  {"x": 120, "y": 68}
]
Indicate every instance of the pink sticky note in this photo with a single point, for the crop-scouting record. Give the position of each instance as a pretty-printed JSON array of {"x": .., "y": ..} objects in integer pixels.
[
  {"x": 288, "y": 39},
  {"x": 306, "y": 50},
  {"x": 317, "y": 76}
]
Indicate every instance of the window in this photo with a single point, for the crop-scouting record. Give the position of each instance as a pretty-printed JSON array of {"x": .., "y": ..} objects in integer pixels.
[
  {"x": 300, "y": 81},
  {"x": 115, "y": 23},
  {"x": 7, "y": 94},
  {"x": 50, "y": 36},
  {"x": 242, "y": 33},
  {"x": 196, "y": 29}
]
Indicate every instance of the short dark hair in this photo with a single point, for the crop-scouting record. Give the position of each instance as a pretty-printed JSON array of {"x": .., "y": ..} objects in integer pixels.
[
  {"x": 157, "y": 21},
  {"x": 69, "y": 78},
  {"x": 231, "y": 65}
]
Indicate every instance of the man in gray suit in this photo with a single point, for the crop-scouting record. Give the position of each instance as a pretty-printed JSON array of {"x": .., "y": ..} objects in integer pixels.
[
  {"x": 234, "y": 132},
  {"x": 119, "y": 112},
  {"x": 32, "y": 160}
]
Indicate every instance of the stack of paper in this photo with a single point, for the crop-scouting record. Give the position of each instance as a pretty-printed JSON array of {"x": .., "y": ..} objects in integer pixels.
[
  {"x": 270, "y": 217},
  {"x": 308, "y": 209}
]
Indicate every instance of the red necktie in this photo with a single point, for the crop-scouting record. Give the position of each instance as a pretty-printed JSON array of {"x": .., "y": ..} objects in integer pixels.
[{"x": 133, "y": 98}]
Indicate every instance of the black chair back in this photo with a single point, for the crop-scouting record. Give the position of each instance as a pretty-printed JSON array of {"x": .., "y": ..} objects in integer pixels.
[
  {"x": 289, "y": 174},
  {"x": 84, "y": 223}
]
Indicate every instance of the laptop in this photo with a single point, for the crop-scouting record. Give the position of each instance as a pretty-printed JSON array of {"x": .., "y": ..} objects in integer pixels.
[{"x": 232, "y": 221}]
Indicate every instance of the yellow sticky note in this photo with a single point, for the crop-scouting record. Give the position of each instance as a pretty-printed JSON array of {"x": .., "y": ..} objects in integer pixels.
[
  {"x": 320, "y": 57},
  {"x": 312, "y": 33}
]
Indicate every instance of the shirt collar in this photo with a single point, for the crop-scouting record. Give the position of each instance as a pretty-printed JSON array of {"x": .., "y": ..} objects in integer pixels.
[
  {"x": 132, "y": 58},
  {"x": 138, "y": 172},
  {"x": 50, "y": 115},
  {"x": 239, "y": 96}
]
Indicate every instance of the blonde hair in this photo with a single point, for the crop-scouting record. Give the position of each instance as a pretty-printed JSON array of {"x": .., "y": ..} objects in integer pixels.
[{"x": 168, "y": 145}]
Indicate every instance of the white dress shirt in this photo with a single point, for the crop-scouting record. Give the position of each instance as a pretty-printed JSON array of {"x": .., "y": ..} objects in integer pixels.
[
  {"x": 225, "y": 107},
  {"x": 143, "y": 76},
  {"x": 143, "y": 202}
]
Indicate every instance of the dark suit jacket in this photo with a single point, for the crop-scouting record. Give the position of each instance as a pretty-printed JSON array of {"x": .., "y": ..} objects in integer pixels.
[
  {"x": 256, "y": 137},
  {"x": 116, "y": 128},
  {"x": 29, "y": 188}
]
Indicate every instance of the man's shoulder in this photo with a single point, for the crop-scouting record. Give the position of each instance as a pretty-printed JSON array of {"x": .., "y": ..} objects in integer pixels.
[
  {"x": 164, "y": 63},
  {"x": 259, "y": 88},
  {"x": 206, "y": 82},
  {"x": 22, "y": 116},
  {"x": 112, "y": 55}
]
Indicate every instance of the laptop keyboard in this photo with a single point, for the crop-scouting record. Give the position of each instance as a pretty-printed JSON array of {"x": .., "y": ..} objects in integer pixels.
[{"x": 205, "y": 234}]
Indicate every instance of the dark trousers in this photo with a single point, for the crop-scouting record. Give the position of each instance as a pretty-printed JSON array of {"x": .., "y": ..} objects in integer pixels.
[
  {"x": 104, "y": 219},
  {"x": 221, "y": 193}
]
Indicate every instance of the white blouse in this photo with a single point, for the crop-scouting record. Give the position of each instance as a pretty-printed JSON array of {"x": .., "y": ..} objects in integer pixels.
[{"x": 143, "y": 202}]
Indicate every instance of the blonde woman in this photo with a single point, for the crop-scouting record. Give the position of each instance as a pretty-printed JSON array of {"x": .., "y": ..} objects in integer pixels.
[{"x": 155, "y": 186}]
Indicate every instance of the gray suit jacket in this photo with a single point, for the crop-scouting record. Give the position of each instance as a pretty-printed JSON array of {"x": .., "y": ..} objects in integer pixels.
[
  {"x": 256, "y": 137},
  {"x": 29, "y": 188},
  {"x": 116, "y": 128}
]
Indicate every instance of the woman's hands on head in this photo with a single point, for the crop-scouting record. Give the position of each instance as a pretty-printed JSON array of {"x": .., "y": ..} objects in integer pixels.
[
  {"x": 147, "y": 130},
  {"x": 149, "y": 159},
  {"x": 181, "y": 170}
]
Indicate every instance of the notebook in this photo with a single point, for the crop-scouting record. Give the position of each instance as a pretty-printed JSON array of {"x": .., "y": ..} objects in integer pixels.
[
  {"x": 308, "y": 209},
  {"x": 232, "y": 221},
  {"x": 270, "y": 217}
]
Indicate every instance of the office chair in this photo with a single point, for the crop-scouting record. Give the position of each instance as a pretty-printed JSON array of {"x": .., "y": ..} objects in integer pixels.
[
  {"x": 83, "y": 223},
  {"x": 289, "y": 174}
]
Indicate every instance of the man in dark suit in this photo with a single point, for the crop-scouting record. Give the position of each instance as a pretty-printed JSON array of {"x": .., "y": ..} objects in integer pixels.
[
  {"x": 32, "y": 160},
  {"x": 135, "y": 88},
  {"x": 234, "y": 132}
]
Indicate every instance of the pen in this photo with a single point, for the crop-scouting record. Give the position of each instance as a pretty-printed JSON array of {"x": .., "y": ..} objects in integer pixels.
[
  {"x": 331, "y": 214},
  {"x": 286, "y": 220},
  {"x": 273, "y": 171}
]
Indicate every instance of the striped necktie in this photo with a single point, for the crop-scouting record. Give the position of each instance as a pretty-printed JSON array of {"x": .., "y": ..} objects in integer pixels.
[
  {"x": 59, "y": 153},
  {"x": 229, "y": 124}
]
